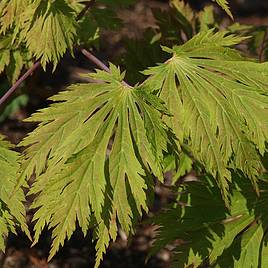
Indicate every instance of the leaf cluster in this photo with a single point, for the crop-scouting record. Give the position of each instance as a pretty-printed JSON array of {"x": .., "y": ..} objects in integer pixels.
[
  {"x": 94, "y": 149},
  {"x": 99, "y": 146},
  {"x": 220, "y": 238}
]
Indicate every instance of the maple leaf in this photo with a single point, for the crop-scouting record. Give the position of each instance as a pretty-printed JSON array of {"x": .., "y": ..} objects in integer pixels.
[
  {"x": 96, "y": 143},
  {"x": 225, "y": 6},
  {"x": 220, "y": 238},
  {"x": 213, "y": 93},
  {"x": 52, "y": 22},
  {"x": 12, "y": 210}
]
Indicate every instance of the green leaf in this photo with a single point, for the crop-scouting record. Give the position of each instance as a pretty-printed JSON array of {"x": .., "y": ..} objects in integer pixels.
[
  {"x": 175, "y": 24},
  {"x": 247, "y": 247},
  {"x": 184, "y": 15},
  {"x": 184, "y": 166},
  {"x": 14, "y": 106},
  {"x": 213, "y": 93},
  {"x": 264, "y": 250},
  {"x": 13, "y": 57},
  {"x": 106, "y": 18},
  {"x": 225, "y": 6},
  {"x": 51, "y": 30},
  {"x": 206, "y": 18},
  {"x": 90, "y": 154},
  {"x": 223, "y": 238},
  {"x": 250, "y": 245},
  {"x": 140, "y": 54},
  {"x": 11, "y": 13},
  {"x": 88, "y": 31},
  {"x": 5, "y": 42},
  {"x": 12, "y": 210}
]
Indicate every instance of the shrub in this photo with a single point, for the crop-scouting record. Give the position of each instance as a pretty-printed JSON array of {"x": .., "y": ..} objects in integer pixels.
[{"x": 99, "y": 146}]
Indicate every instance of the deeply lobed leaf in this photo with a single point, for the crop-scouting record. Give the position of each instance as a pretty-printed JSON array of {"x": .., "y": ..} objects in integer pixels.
[
  {"x": 225, "y": 6},
  {"x": 47, "y": 28},
  {"x": 213, "y": 94},
  {"x": 219, "y": 238},
  {"x": 12, "y": 210},
  {"x": 53, "y": 23},
  {"x": 90, "y": 154}
]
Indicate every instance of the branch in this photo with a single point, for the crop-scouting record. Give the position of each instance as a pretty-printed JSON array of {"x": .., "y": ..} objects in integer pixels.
[
  {"x": 99, "y": 63},
  {"x": 95, "y": 60},
  {"x": 18, "y": 83},
  {"x": 88, "y": 5}
]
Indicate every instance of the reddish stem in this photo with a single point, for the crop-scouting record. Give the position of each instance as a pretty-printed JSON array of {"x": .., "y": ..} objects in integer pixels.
[
  {"x": 99, "y": 63},
  {"x": 88, "y": 5},
  {"x": 18, "y": 83},
  {"x": 95, "y": 60}
]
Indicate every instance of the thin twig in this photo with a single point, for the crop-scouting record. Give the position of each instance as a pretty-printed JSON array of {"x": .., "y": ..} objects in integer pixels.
[
  {"x": 88, "y": 5},
  {"x": 18, "y": 83},
  {"x": 95, "y": 60},
  {"x": 99, "y": 63}
]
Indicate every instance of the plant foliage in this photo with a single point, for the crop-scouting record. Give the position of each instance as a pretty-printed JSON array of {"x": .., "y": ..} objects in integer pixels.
[
  {"x": 90, "y": 155},
  {"x": 211, "y": 101},
  {"x": 221, "y": 238},
  {"x": 225, "y": 6},
  {"x": 99, "y": 147},
  {"x": 12, "y": 210}
]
